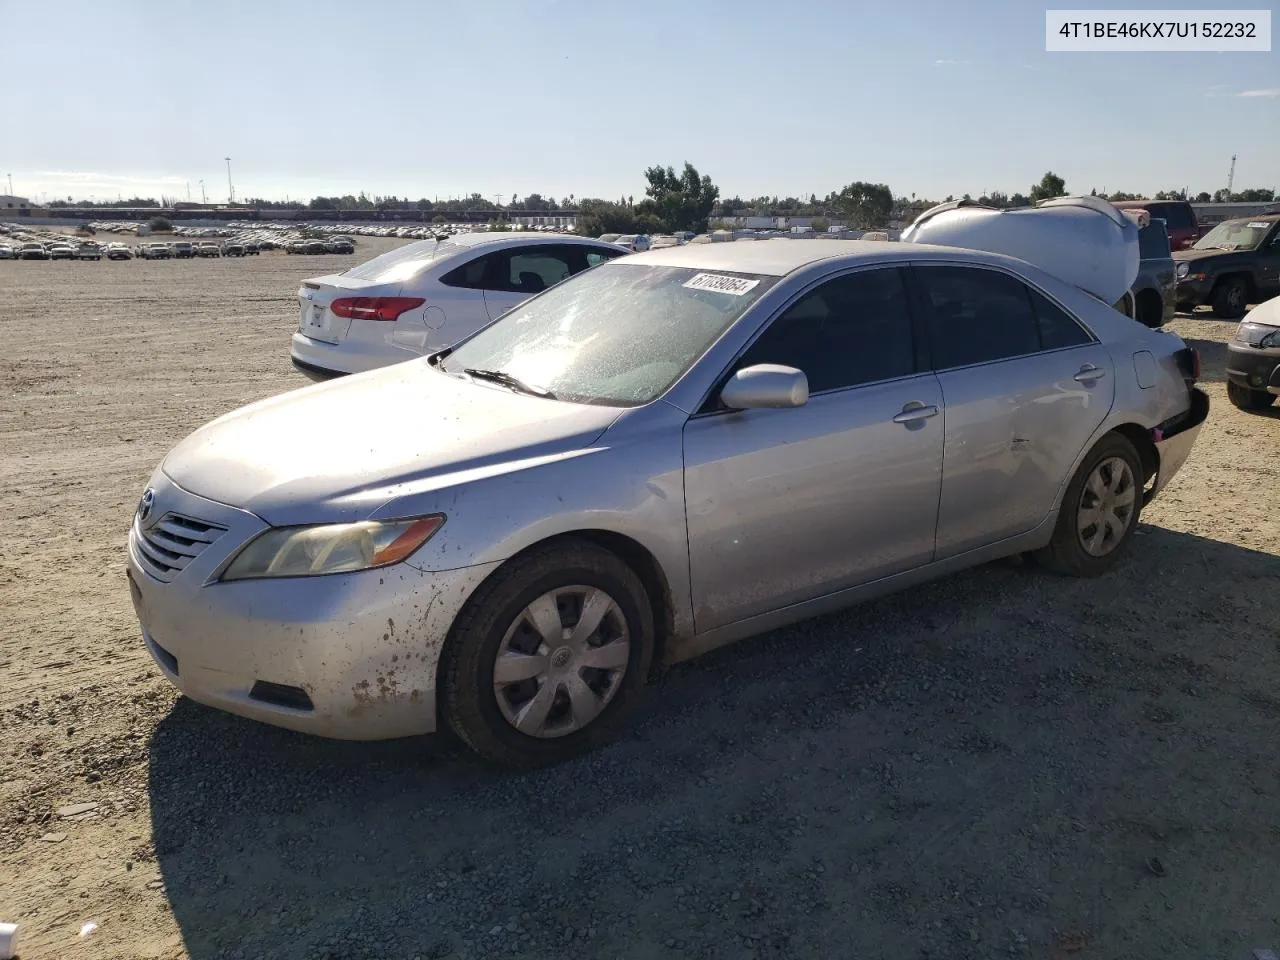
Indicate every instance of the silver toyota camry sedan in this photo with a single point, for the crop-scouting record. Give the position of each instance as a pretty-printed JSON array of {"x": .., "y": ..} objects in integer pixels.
[{"x": 654, "y": 458}]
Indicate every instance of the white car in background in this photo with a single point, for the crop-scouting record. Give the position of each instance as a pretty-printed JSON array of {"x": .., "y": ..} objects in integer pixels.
[
  {"x": 637, "y": 243},
  {"x": 428, "y": 295}
]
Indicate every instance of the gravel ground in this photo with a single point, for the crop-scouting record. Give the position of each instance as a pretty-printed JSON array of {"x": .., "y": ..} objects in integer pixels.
[{"x": 1003, "y": 763}]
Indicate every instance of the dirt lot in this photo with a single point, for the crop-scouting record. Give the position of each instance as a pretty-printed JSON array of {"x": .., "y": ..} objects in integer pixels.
[{"x": 983, "y": 767}]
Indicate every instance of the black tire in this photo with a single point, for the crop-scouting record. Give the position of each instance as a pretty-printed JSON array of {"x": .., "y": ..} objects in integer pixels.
[
  {"x": 1150, "y": 309},
  {"x": 1065, "y": 553},
  {"x": 468, "y": 703},
  {"x": 1246, "y": 399},
  {"x": 1230, "y": 298}
]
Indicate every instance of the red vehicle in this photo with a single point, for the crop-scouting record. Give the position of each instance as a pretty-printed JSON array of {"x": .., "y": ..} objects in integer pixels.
[{"x": 1178, "y": 216}]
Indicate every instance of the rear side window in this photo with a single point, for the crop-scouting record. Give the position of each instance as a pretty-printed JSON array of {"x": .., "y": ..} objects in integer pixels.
[
  {"x": 976, "y": 316},
  {"x": 534, "y": 270},
  {"x": 1057, "y": 328},
  {"x": 471, "y": 274}
]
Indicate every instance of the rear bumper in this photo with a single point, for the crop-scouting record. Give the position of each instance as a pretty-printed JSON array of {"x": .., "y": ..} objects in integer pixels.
[
  {"x": 318, "y": 374},
  {"x": 1254, "y": 368},
  {"x": 1174, "y": 448},
  {"x": 351, "y": 355}
]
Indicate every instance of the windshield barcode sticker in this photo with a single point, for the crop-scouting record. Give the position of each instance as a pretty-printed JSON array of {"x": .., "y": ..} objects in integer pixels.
[
  {"x": 1261, "y": 223},
  {"x": 735, "y": 286}
]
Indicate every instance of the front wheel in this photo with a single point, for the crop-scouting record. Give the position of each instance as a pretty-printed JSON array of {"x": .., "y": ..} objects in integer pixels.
[
  {"x": 1246, "y": 399},
  {"x": 548, "y": 657},
  {"x": 1099, "y": 511},
  {"x": 1231, "y": 298}
]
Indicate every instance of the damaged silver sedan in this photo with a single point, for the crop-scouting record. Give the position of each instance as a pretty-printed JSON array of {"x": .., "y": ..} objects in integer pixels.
[{"x": 656, "y": 457}]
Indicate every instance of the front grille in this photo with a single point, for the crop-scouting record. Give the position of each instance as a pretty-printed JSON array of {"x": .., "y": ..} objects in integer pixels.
[{"x": 167, "y": 546}]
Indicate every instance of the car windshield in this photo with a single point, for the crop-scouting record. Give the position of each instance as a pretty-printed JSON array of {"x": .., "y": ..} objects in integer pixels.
[
  {"x": 619, "y": 334},
  {"x": 1234, "y": 235},
  {"x": 403, "y": 262}
]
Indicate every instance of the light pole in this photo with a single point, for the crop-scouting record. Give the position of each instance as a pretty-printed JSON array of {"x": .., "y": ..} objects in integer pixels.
[
  {"x": 231, "y": 190},
  {"x": 10, "y": 184},
  {"x": 204, "y": 197}
]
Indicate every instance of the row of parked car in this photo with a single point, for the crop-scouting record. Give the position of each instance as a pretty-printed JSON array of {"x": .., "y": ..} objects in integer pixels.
[{"x": 162, "y": 250}]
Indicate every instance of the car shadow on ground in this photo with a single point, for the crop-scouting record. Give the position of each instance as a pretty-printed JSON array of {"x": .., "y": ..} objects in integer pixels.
[{"x": 970, "y": 768}]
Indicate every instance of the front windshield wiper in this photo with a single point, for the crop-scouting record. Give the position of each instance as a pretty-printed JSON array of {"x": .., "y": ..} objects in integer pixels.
[{"x": 507, "y": 380}]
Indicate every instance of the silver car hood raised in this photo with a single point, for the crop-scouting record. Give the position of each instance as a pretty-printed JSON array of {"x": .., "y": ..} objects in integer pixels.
[{"x": 338, "y": 451}]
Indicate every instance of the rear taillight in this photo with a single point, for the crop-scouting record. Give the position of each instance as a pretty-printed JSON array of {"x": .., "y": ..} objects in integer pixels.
[
  {"x": 1189, "y": 363},
  {"x": 374, "y": 308}
]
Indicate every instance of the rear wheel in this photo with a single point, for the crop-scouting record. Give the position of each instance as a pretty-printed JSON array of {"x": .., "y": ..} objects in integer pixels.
[
  {"x": 1247, "y": 399},
  {"x": 1099, "y": 511},
  {"x": 1231, "y": 298},
  {"x": 1150, "y": 309},
  {"x": 549, "y": 656}
]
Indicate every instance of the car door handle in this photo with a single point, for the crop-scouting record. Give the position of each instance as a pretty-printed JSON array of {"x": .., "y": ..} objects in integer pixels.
[
  {"x": 1089, "y": 373},
  {"x": 915, "y": 410}
]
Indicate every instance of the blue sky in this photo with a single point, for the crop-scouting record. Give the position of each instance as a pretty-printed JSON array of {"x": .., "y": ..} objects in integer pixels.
[{"x": 441, "y": 97}]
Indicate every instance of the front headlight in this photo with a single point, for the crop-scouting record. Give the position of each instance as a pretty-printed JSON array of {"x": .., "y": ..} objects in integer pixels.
[
  {"x": 1183, "y": 270},
  {"x": 1272, "y": 339},
  {"x": 330, "y": 548}
]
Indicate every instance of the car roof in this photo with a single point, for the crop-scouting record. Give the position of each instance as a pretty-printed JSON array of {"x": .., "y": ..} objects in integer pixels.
[
  {"x": 479, "y": 239},
  {"x": 1136, "y": 204},
  {"x": 780, "y": 256}
]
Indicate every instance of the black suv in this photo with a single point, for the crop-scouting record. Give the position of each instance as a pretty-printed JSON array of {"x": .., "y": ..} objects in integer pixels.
[{"x": 1233, "y": 265}]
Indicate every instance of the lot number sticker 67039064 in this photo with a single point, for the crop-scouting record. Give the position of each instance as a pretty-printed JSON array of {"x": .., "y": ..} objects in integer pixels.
[{"x": 734, "y": 286}]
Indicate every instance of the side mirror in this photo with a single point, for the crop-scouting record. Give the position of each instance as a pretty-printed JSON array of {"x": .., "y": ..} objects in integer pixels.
[{"x": 765, "y": 386}]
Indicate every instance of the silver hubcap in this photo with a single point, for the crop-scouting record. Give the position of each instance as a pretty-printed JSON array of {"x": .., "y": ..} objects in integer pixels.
[
  {"x": 561, "y": 661},
  {"x": 1106, "y": 506}
]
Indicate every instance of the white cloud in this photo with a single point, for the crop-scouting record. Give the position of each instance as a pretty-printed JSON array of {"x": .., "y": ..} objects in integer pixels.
[
  {"x": 950, "y": 63},
  {"x": 1273, "y": 92}
]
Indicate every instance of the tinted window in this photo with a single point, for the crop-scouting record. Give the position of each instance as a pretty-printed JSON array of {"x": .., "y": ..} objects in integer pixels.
[
  {"x": 1153, "y": 241},
  {"x": 1057, "y": 328},
  {"x": 472, "y": 273},
  {"x": 852, "y": 330},
  {"x": 977, "y": 316}
]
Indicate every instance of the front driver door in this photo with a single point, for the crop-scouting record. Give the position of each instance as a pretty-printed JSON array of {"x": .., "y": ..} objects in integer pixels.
[{"x": 788, "y": 505}]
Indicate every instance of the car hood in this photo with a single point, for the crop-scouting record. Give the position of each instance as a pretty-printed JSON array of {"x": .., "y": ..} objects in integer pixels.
[
  {"x": 1185, "y": 256},
  {"x": 338, "y": 451}
]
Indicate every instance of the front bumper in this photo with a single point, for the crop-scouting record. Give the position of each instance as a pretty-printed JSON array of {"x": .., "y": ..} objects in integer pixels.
[
  {"x": 1193, "y": 293},
  {"x": 1255, "y": 368},
  {"x": 347, "y": 656}
]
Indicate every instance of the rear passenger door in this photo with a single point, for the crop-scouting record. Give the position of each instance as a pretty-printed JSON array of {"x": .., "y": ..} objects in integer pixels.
[{"x": 1024, "y": 387}]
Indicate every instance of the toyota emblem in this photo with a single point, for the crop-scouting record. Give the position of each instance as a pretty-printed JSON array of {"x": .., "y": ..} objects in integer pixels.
[{"x": 144, "y": 505}]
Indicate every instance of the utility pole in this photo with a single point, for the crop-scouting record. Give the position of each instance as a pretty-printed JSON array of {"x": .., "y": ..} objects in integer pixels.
[
  {"x": 204, "y": 197},
  {"x": 231, "y": 190},
  {"x": 1231, "y": 177},
  {"x": 188, "y": 191},
  {"x": 11, "y": 184}
]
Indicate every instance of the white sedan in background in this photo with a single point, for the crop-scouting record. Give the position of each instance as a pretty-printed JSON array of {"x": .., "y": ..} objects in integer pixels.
[{"x": 428, "y": 295}]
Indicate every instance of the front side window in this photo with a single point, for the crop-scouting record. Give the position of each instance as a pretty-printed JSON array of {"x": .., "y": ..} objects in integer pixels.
[
  {"x": 852, "y": 330},
  {"x": 976, "y": 316},
  {"x": 618, "y": 335}
]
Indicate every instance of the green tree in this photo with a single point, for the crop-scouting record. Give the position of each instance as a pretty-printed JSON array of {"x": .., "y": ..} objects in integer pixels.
[
  {"x": 1204, "y": 197},
  {"x": 680, "y": 202},
  {"x": 597, "y": 217},
  {"x": 160, "y": 225},
  {"x": 1050, "y": 185},
  {"x": 865, "y": 205},
  {"x": 1018, "y": 200}
]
